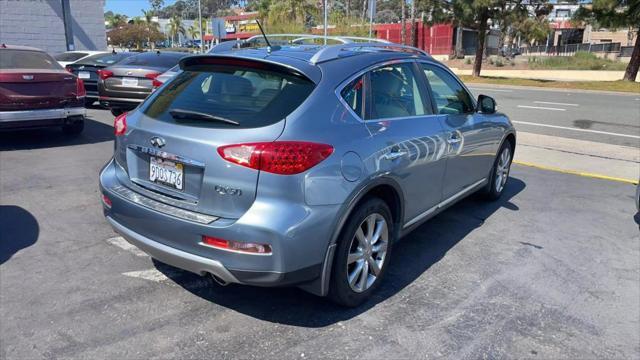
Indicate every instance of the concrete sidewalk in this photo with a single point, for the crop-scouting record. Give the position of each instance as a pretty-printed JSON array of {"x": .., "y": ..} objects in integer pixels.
[
  {"x": 579, "y": 156},
  {"x": 555, "y": 75}
]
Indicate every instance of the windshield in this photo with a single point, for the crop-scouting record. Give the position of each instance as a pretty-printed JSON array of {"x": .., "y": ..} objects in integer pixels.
[
  {"x": 70, "y": 56},
  {"x": 163, "y": 60},
  {"x": 27, "y": 59},
  {"x": 250, "y": 97},
  {"x": 105, "y": 59}
]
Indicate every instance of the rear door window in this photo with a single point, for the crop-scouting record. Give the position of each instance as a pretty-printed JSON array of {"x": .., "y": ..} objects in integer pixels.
[
  {"x": 249, "y": 96},
  {"x": 396, "y": 92},
  {"x": 353, "y": 96},
  {"x": 26, "y": 59},
  {"x": 70, "y": 56}
]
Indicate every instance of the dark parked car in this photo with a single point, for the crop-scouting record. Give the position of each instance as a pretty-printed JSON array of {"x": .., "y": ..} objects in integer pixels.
[
  {"x": 36, "y": 91},
  {"x": 123, "y": 86},
  {"x": 87, "y": 70}
]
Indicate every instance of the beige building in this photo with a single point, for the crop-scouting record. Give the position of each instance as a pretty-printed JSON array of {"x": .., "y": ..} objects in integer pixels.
[{"x": 624, "y": 37}]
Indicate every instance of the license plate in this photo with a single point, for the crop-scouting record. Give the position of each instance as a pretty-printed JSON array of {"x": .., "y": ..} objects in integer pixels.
[
  {"x": 129, "y": 82},
  {"x": 166, "y": 172},
  {"x": 84, "y": 75}
]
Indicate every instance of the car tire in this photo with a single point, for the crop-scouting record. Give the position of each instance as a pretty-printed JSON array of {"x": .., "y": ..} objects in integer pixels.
[
  {"x": 116, "y": 111},
  {"x": 73, "y": 128},
  {"x": 354, "y": 252},
  {"x": 499, "y": 172}
]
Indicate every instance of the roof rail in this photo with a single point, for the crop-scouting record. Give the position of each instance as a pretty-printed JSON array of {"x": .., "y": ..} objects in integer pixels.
[{"x": 332, "y": 52}]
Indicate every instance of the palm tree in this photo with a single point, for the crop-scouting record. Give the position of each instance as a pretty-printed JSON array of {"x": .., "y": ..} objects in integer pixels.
[
  {"x": 150, "y": 25},
  {"x": 115, "y": 20},
  {"x": 193, "y": 31},
  {"x": 175, "y": 28}
]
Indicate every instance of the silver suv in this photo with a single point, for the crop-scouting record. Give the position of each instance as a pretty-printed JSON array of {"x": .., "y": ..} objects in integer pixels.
[{"x": 300, "y": 164}]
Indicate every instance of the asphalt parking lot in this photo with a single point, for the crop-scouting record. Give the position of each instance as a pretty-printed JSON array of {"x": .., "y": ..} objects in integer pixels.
[{"x": 552, "y": 270}]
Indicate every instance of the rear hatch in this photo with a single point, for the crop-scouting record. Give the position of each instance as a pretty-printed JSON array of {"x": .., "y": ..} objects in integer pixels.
[
  {"x": 33, "y": 80},
  {"x": 169, "y": 150}
]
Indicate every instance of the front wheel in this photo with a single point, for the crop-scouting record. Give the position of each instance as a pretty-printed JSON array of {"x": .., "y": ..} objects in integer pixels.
[
  {"x": 362, "y": 253},
  {"x": 499, "y": 173}
]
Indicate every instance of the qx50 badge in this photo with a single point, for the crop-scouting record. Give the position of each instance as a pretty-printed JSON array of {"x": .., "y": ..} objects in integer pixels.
[{"x": 157, "y": 141}]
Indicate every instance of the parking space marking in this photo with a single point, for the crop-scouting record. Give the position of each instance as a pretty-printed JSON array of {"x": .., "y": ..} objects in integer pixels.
[
  {"x": 576, "y": 129},
  {"x": 151, "y": 275},
  {"x": 541, "y": 108},
  {"x": 579, "y": 173},
  {"x": 123, "y": 244},
  {"x": 555, "y": 103}
]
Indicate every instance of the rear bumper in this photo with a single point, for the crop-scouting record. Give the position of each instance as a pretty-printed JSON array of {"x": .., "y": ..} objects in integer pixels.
[
  {"x": 43, "y": 117},
  {"x": 299, "y": 237},
  {"x": 120, "y": 103}
]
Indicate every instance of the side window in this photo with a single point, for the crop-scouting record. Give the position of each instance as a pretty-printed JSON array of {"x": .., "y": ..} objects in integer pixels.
[
  {"x": 353, "y": 96},
  {"x": 450, "y": 96},
  {"x": 395, "y": 92}
]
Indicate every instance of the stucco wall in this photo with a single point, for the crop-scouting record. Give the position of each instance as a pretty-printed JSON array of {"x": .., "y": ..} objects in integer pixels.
[{"x": 39, "y": 23}]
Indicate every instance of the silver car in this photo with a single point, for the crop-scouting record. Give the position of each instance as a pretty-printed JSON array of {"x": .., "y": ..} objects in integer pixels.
[{"x": 300, "y": 165}]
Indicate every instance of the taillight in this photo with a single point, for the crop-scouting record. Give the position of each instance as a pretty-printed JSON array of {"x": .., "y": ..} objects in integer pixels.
[
  {"x": 280, "y": 157},
  {"x": 105, "y": 74},
  {"x": 120, "y": 124},
  {"x": 80, "y": 90},
  {"x": 106, "y": 201},
  {"x": 246, "y": 247}
]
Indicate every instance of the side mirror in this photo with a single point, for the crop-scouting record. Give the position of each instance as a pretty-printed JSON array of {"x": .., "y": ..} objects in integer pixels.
[{"x": 486, "y": 104}]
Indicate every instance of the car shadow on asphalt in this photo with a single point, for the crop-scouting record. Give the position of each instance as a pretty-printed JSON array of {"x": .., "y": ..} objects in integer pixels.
[
  {"x": 411, "y": 257},
  {"x": 18, "y": 230},
  {"x": 40, "y": 138}
]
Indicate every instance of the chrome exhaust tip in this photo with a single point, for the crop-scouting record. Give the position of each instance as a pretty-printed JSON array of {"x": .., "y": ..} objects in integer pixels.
[{"x": 218, "y": 280}]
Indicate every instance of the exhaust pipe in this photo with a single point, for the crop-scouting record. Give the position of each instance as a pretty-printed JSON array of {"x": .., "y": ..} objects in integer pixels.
[{"x": 219, "y": 281}]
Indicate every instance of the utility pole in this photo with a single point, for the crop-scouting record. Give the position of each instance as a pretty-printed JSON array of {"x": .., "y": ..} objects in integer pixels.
[
  {"x": 403, "y": 22},
  {"x": 413, "y": 23},
  {"x": 372, "y": 10},
  {"x": 200, "y": 27},
  {"x": 324, "y": 6}
]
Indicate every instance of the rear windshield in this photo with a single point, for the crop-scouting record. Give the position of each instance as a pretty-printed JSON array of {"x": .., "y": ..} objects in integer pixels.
[
  {"x": 163, "y": 60},
  {"x": 251, "y": 97},
  {"x": 70, "y": 56},
  {"x": 27, "y": 59},
  {"x": 105, "y": 59}
]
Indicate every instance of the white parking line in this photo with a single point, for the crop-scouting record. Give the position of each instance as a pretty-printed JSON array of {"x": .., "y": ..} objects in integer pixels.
[
  {"x": 151, "y": 275},
  {"x": 487, "y": 89},
  {"x": 541, "y": 108},
  {"x": 125, "y": 245},
  {"x": 554, "y": 103},
  {"x": 575, "y": 129}
]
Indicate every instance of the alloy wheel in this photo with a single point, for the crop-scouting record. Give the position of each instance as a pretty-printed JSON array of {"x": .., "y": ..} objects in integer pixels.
[
  {"x": 367, "y": 252},
  {"x": 502, "y": 169}
]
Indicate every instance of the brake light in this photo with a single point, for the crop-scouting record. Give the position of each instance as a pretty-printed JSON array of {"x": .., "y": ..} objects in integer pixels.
[
  {"x": 106, "y": 201},
  {"x": 120, "y": 124},
  {"x": 153, "y": 77},
  {"x": 280, "y": 157},
  {"x": 105, "y": 74},
  {"x": 81, "y": 92},
  {"x": 251, "y": 248}
]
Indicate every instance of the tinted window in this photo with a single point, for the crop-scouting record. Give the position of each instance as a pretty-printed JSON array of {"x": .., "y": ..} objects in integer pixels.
[
  {"x": 353, "y": 96},
  {"x": 164, "y": 60},
  {"x": 249, "y": 96},
  {"x": 450, "y": 96},
  {"x": 105, "y": 59},
  {"x": 70, "y": 56},
  {"x": 25, "y": 59},
  {"x": 395, "y": 92}
]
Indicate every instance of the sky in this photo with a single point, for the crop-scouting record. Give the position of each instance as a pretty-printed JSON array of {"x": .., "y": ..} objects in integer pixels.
[{"x": 130, "y": 8}]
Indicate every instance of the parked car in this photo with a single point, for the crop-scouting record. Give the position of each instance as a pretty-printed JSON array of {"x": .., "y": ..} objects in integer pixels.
[
  {"x": 87, "y": 70},
  {"x": 35, "y": 91},
  {"x": 123, "y": 86},
  {"x": 166, "y": 76},
  {"x": 300, "y": 165},
  {"x": 70, "y": 57}
]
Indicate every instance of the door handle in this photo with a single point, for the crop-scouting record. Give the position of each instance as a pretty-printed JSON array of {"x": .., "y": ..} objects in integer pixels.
[
  {"x": 394, "y": 154},
  {"x": 454, "y": 139}
]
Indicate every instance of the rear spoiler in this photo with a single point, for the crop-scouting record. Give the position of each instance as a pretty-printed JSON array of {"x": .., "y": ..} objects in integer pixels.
[{"x": 305, "y": 70}]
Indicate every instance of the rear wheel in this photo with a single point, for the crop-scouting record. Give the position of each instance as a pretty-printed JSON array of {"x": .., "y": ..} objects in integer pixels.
[
  {"x": 73, "y": 128},
  {"x": 362, "y": 253},
  {"x": 499, "y": 173}
]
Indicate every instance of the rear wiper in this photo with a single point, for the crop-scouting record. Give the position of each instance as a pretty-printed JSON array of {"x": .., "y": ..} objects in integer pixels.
[{"x": 186, "y": 114}]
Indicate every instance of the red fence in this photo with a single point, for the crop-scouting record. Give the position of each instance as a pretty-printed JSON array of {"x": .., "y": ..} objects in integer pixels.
[{"x": 436, "y": 39}]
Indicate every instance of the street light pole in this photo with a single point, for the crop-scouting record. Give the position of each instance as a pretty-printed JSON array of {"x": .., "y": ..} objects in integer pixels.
[
  {"x": 200, "y": 27},
  {"x": 324, "y": 3}
]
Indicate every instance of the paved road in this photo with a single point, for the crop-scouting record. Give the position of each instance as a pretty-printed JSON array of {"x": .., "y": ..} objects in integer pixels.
[
  {"x": 550, "y": 271},
  {"x": 606, "y": 117}
]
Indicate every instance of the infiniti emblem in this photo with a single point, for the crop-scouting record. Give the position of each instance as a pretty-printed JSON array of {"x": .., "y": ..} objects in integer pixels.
[{"x": 157, "y": 141}]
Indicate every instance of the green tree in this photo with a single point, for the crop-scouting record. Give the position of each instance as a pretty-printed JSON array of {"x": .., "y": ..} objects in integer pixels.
[
  {"x": 114, "y": 20},
  {"x": 175, "y": 27},
  {"x": 615, "y": 14},
  {"x": 134, "y": 34},
  {"x": 193, "y": 32},
  {"x": 156, "y": 5}
]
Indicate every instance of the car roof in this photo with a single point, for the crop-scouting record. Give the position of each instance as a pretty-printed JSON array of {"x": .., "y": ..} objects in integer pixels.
[{"x": 19, "y": 47}]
